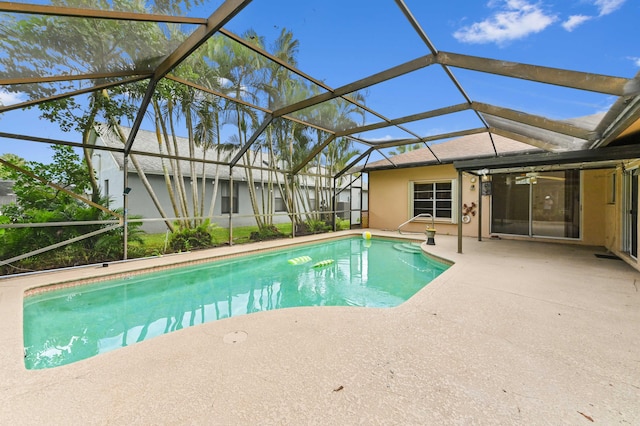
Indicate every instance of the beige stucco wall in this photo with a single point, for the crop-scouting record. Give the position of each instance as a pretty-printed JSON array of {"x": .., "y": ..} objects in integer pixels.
[
  {"x": 389, "y": 202},
  {"x": 613, "y": 212},
  {"x": 594, "y": 203},
  {"x": 389, "y": 199}
]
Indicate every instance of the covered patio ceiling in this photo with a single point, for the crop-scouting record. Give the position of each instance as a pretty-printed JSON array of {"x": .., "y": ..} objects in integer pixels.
[{"x": 420, "y": 61}]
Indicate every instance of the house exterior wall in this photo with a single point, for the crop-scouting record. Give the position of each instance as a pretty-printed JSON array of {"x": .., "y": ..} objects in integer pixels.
[
  {"x": 389, "y": 200},
  {"x": 111, "y": 181},
  {"x": 613, "y": 211},
  {"x": 594, "y": 203},
  {"x": 110, "y": 178},
  {"x": 141, "y": 203},
  {"x": 6, "y": 193},
  {"x": 617, "y": 211},
  {"x": 389, "y": 203}
]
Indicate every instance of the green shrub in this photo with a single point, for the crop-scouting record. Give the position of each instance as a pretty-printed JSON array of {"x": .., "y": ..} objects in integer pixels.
[
  {"x": 342, "y": 224},
  {"x": 186, "y": 239},
  {"x": 317, "y": 226},
  {"x": 267, "y": 232}
]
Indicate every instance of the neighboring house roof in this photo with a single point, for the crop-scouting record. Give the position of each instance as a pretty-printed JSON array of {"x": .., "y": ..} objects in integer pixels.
[
  {"x": 147, "y": 141},
  {"x": 471, "y": 146}
]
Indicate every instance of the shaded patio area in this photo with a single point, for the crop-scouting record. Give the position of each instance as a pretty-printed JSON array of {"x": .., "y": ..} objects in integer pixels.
[{"x": 516, "y": 332}]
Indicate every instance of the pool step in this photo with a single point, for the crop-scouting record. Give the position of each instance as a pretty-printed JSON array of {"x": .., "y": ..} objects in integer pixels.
[{"x": 408, "y": 247}]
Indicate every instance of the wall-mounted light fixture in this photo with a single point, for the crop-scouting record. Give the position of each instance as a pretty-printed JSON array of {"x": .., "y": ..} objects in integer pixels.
[{"x": 126, "y": 191}]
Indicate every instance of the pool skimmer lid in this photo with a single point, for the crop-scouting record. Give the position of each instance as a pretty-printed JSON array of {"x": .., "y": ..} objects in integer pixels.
[{"x": 235, "y": 337}]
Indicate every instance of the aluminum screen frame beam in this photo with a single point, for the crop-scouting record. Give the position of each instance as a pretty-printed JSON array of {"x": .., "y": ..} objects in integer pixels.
[
  {"x": 267, "y": 120},
  {"x": 538, "y": 143},
  {"x": 535, "y": 121},
  {"x": 221, "y": 16},
  {"x": 36, "y": 9},
  {"x": 433, "y": 138},
  {"x": 59, "y": 78},
  {"x": 556, "y": 76},
  {"x": 299, "y": 73},
  {"x": 613, "y": 153},
  {"x": 407, "y": 67},
  {"x": 407, "y": 119},
  {"x": 416, "y": 26},
  {"x": 70, "y": 94},
  {"x": 620, "y": 117}
]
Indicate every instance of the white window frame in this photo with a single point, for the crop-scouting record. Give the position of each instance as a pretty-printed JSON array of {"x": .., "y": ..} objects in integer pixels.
[{"x": 454, "y": 200}]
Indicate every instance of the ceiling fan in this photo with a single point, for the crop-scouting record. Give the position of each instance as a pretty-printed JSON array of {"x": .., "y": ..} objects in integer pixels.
[{"x": 532, "y": 177}]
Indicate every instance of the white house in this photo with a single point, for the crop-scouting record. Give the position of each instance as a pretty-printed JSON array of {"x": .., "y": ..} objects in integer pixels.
[
  {"x": 7, "y": 196},
  {"x": 200, "y": 177}
]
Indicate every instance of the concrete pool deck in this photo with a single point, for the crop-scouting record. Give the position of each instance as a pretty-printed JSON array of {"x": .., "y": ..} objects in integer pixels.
[{"x": 516, "y": 332}]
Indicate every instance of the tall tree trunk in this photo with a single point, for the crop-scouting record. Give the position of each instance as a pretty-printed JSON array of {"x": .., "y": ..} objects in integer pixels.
[
  {"x": 216, "y": 181},
  {"x": 87, "y": 148},
  {"x": 165, "y": 172},
  {"x": 252, "y": 191},
  {"x": 192, "y": 167},
  {"x": 203, "y": 180},
  {"x": 178, "y": 176},
  {"x": 143, "y": 179}
]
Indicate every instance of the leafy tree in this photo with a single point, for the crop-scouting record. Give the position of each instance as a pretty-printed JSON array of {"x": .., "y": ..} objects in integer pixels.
[
  {"x": 39, "y": 202},
  {"x": 6, "y": 172},
  {"x": 53, "y": 44},
  {"x": 66, "y": 170}
]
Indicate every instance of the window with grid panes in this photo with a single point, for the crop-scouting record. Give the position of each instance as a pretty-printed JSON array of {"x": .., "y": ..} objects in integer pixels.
[
  {"x": 435, "y": 198},
  {"x": 225, "y": 197}
]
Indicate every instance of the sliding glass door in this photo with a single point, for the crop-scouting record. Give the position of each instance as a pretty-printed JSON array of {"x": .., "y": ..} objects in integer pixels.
[
  {"x": 545, "y": 204},
  {"x": 510, "y": 204}
]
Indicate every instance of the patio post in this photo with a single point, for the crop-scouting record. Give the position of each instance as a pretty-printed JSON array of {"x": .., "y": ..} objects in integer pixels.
[
  {"x": 459, "y": 211},
  {"x": 294, "y": 219},
  {"x": 125, "y": 205},
  {"x": 480, "y": 211},
  {"x": 231, "y": 200},
  {"x": 334, "y": 204}
]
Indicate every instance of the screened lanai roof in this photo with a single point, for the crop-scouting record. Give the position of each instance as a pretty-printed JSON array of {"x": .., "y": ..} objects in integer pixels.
[{"x": 379, "y": 75}]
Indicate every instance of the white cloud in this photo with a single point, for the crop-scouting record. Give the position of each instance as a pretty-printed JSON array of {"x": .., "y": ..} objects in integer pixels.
[
  {"x": 635, "y": 59},
  {"x": 605, "y": 7},
  {"x": 574, "y": 21},
  {"x": 516, "y": 19},
  {"x": 608, "y": 6},
  {"x": 7, "y": 98}
]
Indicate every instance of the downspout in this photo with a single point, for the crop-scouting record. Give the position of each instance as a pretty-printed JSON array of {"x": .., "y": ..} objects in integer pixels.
[{"x": 459, "y": 211}]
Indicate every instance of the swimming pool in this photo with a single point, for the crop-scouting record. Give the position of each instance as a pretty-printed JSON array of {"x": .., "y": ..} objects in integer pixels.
[{"x": 70, "y": 324}]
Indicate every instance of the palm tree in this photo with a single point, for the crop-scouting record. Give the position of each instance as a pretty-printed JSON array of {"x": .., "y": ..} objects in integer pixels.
[
  {"x": 237, "y": 67},
  {"x": 401, "y": 149}
]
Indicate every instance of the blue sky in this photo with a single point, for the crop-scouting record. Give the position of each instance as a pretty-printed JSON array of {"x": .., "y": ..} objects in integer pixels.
[{"x": 343, "y": 41}]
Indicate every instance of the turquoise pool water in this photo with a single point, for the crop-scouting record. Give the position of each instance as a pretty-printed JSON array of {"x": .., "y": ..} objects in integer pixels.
[{"x": 67, "y": 325}]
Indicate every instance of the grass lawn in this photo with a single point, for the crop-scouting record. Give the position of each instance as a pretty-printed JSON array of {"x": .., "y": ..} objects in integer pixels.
[{"x": 154, "y": 244}]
